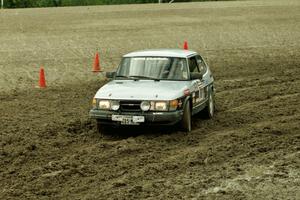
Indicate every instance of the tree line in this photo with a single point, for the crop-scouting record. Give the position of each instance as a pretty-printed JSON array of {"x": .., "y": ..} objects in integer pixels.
[{"x": 53, "y": 3}]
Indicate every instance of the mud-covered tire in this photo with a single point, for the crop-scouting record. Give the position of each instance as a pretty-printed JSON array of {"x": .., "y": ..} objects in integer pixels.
[
  {"x": 186, "y": 121},
  {"x": 209, "y": 110},
  {"x": 101, "y": 128}
]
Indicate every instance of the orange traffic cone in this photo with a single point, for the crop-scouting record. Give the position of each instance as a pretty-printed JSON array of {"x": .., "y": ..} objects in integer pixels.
[
  {"x": 96, "y": 67},
  {"x": 185, "y": 45},
  {"x": 42, "y": 81}
]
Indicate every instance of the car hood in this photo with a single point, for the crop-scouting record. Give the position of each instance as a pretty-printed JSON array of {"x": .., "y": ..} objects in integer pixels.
[{"x": 142, "y": 90}]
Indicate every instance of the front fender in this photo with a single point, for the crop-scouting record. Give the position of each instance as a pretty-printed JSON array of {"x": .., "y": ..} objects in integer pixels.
[{"x": 186, "y": 99}]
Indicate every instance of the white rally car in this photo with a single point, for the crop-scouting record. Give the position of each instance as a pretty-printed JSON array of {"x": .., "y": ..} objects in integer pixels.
[{"x": 163, "y": 86}]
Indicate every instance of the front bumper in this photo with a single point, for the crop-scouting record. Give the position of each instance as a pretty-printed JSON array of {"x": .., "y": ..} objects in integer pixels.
[{"x": 159, "y": 118}]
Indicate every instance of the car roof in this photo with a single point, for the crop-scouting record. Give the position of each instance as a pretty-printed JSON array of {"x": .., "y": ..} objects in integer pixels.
[{"x": 179, "y": 53}]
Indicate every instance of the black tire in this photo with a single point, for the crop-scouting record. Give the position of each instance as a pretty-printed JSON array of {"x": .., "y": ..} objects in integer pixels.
[
  {"x": 186, "y": 122},
  {"x": 101, "y": 128},
  {"x": 209, "y": 110}
]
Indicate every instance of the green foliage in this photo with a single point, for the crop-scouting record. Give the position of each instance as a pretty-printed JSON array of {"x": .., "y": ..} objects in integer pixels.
[
  {"x": 18, "y": 4},
  {"x": 48, "y": 3},
  {"x": 51, "y": 3}
]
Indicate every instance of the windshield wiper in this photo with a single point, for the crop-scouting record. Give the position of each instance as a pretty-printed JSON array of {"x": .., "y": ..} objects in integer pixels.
[
  {"x": 122, "y": 76},
  {"x": 145, "y": 77}
]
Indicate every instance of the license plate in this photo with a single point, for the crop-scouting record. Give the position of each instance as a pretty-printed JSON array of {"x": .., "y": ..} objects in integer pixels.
[{"x": 128, "y": 120}]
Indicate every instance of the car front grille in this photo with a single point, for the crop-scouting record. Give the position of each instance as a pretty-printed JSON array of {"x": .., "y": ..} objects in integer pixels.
[{"x": 130, "y": 106}]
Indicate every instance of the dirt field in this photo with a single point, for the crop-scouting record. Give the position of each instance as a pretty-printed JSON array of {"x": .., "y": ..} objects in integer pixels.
[{"x": 49, "y": 148}]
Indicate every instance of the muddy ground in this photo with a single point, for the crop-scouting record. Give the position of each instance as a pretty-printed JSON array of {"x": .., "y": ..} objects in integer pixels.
[{"x": 49, "y": 148}]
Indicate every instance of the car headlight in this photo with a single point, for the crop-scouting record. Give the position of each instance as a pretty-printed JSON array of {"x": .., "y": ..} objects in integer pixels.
[
  {"x": 145, "y": 105},
  {"x": 94, "y": 103},
  {"x": 104, "y": 104},
  {"x": 173, "y": 105},
  {"x": 161, "y": 106},
  {"x": 115, "y": 105}
]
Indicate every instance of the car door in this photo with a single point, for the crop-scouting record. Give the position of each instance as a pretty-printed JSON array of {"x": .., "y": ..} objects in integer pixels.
[{"x": 199, "y": 92}]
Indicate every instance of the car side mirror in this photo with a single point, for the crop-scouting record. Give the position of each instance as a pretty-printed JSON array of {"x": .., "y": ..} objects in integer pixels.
[
  {"x": 196, "y": 75},
  {"x": 110, "y": 74}
]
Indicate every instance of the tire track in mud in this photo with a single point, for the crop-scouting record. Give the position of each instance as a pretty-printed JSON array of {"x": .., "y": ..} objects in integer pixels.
[
  {"x": 177, "y": 160},
  {"x": 256, "y": 93},
  {"x": 166, "y": 162},
  {"x": 121, "y": 162},
  {"x": 237, "y": 84},
  {"x": 266, "y": 101},
  {"x": 142, "y": 161}
]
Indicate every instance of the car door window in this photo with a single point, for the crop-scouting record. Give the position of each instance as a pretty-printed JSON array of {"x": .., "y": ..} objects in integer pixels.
[
  {"x": 193, "y": 64},
  {"x": 201, "y": 64},
  {"x": 178, "y": 70}
]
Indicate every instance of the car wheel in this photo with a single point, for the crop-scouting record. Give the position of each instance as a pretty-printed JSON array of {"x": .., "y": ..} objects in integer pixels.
[
  {"x": 186, "y": 122},
  {"x": 210, "y": 108},
  {"x": 100, "y": 128}
]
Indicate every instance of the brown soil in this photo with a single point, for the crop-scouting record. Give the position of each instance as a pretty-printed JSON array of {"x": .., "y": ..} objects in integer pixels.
[{"x": 49, "y": 148}]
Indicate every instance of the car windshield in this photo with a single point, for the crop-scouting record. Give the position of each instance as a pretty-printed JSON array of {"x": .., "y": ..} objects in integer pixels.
[{"x": 158, "y": 68}]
